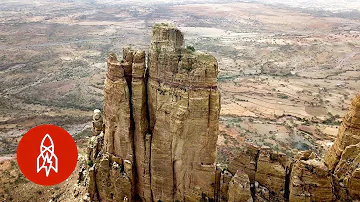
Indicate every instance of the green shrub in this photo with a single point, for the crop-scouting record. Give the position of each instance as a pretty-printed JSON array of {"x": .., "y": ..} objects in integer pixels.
[
  {"x": 284, "y": 96},
  {"x": 188, "y": 68},
  {"x": 190, "y": 48}
]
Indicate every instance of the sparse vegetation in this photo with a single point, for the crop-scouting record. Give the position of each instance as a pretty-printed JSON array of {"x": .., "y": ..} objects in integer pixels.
[
  {"x": 90, "y": 163},
  {"x": 158, "y": 50},
  {"x": 283, "y": 96},
  {"x": 190, "y": 48},
  {"x": 85, "y": 133},
  {"x": 188, "y": 68},
  {"x": 332, "y": 120}
]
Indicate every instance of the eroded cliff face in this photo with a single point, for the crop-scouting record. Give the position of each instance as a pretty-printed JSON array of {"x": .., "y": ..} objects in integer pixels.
[
  {"x": 161, "y": 121},
  {"x": 184, "y": 116},
  {"x": 343, "y": 157},
  {"x": 156, "y": 139},
  {"x": 273, "y": 177}
]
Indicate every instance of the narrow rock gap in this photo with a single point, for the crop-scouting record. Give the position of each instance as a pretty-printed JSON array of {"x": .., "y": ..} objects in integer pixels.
[
  {"x": 209, "y": 108},
  {"x": 173, "y": 170},
  {"x": 287, "y": 181},
  {"x": 146, "y": 79},
  {"x": 253, "y": 188},
  {"x": 128, "y": 79},
  {"x": 96, "y": 186},
  {"x": 149, "y": 131}
]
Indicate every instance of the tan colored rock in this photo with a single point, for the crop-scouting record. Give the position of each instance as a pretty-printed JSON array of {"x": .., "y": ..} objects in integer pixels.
[
  {"x": 91, "y": 186},
  {"x": 94, "y": 147},
  {"x": 347, "y": 173},
  {"x": 349, "y": 134},
  {"x": 343, "y": 157},
  {"x": 97, "y": 123},
  {"x": 118, "y": 138},
  {"x": 117, "y": 152},
  {"x": 224, "y": 180},
  {"x": 304, "y": 155},
  {"x": 271, "y": 173},
  {"x": 310, "y": 180},
  {"x": 246, "y": 161},
  {"x": 184, "y": 106},
  {"x": 239, "y": 188},
  {"x": 139, "y": 114},
  {"x": 112, "y": 182},
  {"x": 93, "y": 150},
  {"x": 161, "y": 125}
]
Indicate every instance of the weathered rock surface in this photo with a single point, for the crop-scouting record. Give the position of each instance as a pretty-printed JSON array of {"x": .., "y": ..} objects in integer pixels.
[
  {"x": 266, "y": 170},
  {"x": 343, "y": 157},
  {"x": 184, "y": 106},
  {"x": 310, "y": 180},
  {"x": 246, "y": 161},
  {"x": 97, "y": 123},
  {"x": 239, "y": 188},
  {"x": 160, "y": 124},
  {"x": 156, "y": 140},
  {"x": 223, "y": 180},
  {"x": 349, "y": 134},
  {"x": 271, "y": 173},
  {"x": 347, "y": 173}
]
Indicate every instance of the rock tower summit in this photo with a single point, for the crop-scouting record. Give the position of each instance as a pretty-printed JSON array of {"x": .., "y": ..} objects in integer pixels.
[{"x": 160, "y": 124}]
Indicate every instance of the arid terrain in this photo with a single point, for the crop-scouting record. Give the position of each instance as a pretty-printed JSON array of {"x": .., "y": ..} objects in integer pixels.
[{"x": 287, "y": 70}]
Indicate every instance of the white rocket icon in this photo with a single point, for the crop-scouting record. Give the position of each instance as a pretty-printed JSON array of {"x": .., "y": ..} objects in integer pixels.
[{"x": 47, "y": 159}]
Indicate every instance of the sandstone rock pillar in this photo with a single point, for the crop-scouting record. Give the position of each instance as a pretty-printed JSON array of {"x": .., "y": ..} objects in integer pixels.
[
  {"x": 349, "y": 134},
  {"x": 161, "y": 124},
  {"x": 139, "y": 113},
  {"x": 184, "y": 106},
  {"x": 118, "y": 137}
]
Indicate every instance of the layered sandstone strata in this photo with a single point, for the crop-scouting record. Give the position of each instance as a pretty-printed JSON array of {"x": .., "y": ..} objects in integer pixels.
[
  {"x": 246, "y": 161},
  {"x": 347, "y": 174},
  {"x": 271, "y": 173},
  {"x": 349, "y": 134},
  {"x": 184, "y": 108},
  {"x": 160, "y": 124},
  {"x": 310, "y": 180},
  {"x": 239, "y": 188},
  {"x": 112, "y": 174},
  {"x": 343, "y": 157},
  {"x": 305, "y": 178},
  {"x": 156, "y": 140}
]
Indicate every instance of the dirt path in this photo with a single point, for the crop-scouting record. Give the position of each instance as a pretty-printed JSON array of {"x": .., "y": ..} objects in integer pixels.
[{"x": 7, "y": 157}]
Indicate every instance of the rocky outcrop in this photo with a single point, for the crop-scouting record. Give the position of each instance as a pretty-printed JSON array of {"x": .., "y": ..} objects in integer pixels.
[
  {"x": 97, "y": 123},
  {"x": 156, "y": 140},
  {"x": 223, "y": 178},
  {"x": 184, "y": 106},
  {"x": 277, "y": 179},
  {"x": 349, "y": 134},
  {"x": 305, "y": 177},
  {"x": 271, "y": 173},
  {"x": 310, "y": 180},
  {"x": 239, "y": 188},
  {"x": 344, "y": 156},
  {"x": 141, "y": 136},
  {"x": 246, "y": 161},
  {"x": 160, "y": 124},
  {"x": 347, "y": 174}
]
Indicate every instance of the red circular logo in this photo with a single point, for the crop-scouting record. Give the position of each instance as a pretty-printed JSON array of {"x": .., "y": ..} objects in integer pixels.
[{"x": 47, "y": 155}]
